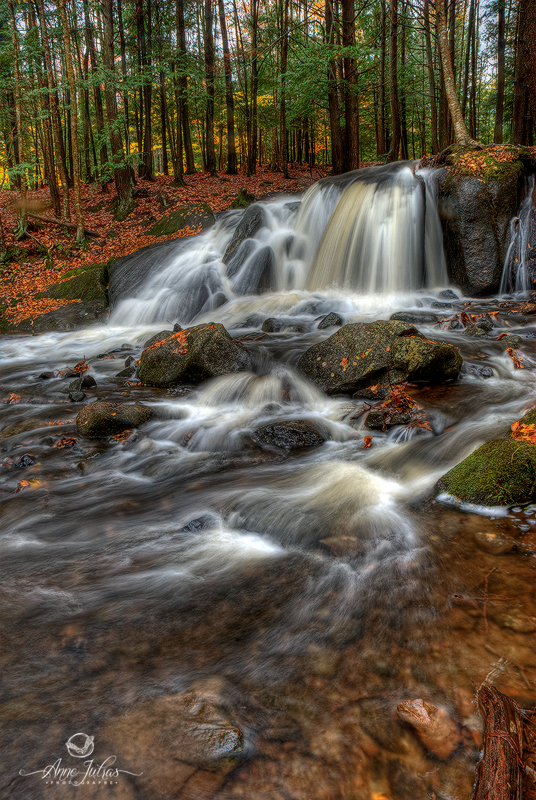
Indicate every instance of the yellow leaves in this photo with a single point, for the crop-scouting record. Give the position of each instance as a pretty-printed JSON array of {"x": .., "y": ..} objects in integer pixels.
[
  {"x": 523, "y": 433},
  {"x": 514, "y": 355},
  {"x": 367, "y": 441}
]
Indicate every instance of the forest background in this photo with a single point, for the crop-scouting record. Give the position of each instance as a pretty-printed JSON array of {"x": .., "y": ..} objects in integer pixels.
[{"x": 118, "y": 94}]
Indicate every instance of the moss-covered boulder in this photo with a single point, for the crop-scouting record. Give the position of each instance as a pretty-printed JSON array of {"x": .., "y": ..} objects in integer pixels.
[
  {"x": 100, "y": 420},
  {"x": 499, "y": 473},
  {"x": 242, "y": 199},
  {"x": 195, "y": 216},
  {"x": 87, "y": 284},
  {"x": 385, "y": 351},
  {"x": 191, "y": 356}
]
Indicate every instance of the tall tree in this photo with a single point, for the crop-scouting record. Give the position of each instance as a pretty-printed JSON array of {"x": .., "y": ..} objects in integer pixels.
[
  {"x": 393, "y": 82},
  {"x": 351, "y": 107},
  {"x": 122, "y": 172},
  {"x": 431, "y": 77},
  {"x": 229, "y": 96},
  {"x": 209, "y": 80},
  {"x": 74, "y": 122},
  {"x": 460, "y": 131},
  {"x": 21, "y": 177},
  {"x": 333, "y": 97},
  {"x": 499, "y": 108}
]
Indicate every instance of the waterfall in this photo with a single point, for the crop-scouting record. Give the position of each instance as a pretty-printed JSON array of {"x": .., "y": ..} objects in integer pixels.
[
  {"x": 516, "y": 276},
  {"x": 372, "y": 231}
]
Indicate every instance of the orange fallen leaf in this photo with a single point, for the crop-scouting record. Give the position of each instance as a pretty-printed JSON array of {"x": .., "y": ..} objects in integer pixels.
[{"x": 367, "y": 441}]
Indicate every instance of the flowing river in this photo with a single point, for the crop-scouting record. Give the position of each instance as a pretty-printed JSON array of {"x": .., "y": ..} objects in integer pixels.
[{"x": 297, "y": 598}]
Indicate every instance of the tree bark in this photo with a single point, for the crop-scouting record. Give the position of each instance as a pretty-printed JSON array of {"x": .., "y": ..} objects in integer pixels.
[
  {"x": 351, "y": 106},
  {"x": 460, "y": 131},
  {"x": 333, "y": 98},
  {"x": 97, "y": 94},
  {"x": 499, "y": 108},
  {"x": 23, "y": 220},
  {"x": 183, "y": 88},
  {"x": 381, "y": 142},
  {"x": 252, "y": 141},
  {"x": 525, "y": 81}
]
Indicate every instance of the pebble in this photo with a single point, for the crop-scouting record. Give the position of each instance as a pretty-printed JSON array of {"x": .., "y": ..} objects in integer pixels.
[
  {"x": 434, "y": 726},
  {"x": 494, "y": 543}
]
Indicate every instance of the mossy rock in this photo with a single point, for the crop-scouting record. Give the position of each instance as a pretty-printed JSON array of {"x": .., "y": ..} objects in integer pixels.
[
  {"x": 190, "y": 215},
  {"x": 242, "y": 199},
  {"x": 499, "y": 473},
  {"x": 87, "y": 284}
]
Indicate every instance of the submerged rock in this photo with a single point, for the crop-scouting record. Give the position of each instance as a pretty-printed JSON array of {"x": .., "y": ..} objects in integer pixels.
[
  {"x": 499, "y": 473},
  {"x": 191, "y": 356},
  {"x": 475, "y": 330},
  {"x": 250, "y": 223},
  {"x": 422, "y": 317},
  {"x": 363, "y": 354},
  {"x": 191, "y": 737},
  {"x": 434, "y": 726},
  {"x": 100, "y": 419},
  {"x": 290, "y": 434}
]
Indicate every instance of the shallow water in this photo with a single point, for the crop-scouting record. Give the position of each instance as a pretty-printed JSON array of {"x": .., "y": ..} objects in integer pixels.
[{"x": 316, "y": 591}]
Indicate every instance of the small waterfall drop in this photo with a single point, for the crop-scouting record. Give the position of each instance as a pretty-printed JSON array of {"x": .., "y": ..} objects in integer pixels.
[
  {"x": 372, "y": 231},
  {"x": 516, "y": 276}
]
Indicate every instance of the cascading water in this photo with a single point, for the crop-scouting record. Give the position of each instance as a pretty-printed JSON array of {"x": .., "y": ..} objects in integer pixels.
[
  {"x": 517, "y": 276},
  {"x": 311, "y": 590},
  {"x": 372, "y": 231}
]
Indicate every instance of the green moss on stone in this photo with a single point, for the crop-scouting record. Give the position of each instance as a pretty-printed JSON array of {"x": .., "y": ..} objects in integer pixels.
[
  {"x": 191, "y": 215},
  {"x": 499, "y": 473},
  {"x": 86, "y": 284}
]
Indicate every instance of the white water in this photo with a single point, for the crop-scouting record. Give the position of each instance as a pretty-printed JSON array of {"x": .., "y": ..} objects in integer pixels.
[
  {"x": 373, "y": 231},
  {"x": 516, "y": 276}
]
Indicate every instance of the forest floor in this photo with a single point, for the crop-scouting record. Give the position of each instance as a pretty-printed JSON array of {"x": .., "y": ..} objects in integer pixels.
[{"x": 51, "y": 251}]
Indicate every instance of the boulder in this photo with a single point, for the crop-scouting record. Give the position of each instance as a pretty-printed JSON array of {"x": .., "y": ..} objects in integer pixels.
[
  {"x": 190, "y": 215},
  {"x": 24, "y": 426},
  {"x": 290, "y": 434},
  {"x": 128, "y": 274},
  {"x": 499, "y": 473},
  {"x": 475, "y": 210},
  {"x": 158, "y": 338},
  {"x": 242, "y": 199},
  {"x": 191, "y": 356},
  {"x": 271, "y": 325},
  {"x": 260, "y": 275},
  {"x": 363, "y": 354},
  {"x": 178, "y": 745},
  {"x": 330, "y": 321},
  {"x": 251, "y": 221},
  {"x": 434, "y": 726},
  {"x": 101, "y": 419}
]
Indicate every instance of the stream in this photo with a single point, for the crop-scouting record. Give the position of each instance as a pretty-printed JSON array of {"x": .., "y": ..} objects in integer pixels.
[{"x": 179, "y": 584}]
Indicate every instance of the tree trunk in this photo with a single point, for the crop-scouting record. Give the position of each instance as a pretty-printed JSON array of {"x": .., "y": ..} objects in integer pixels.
[
  {"x": 54, "y": 111},
  {"x": 122, "y": 176},
  {"x": 283, "y": 133},
  {"x": 381, "y": 143},
  {"x": 229, "y": 97},
  {"x": 23, "y": 219},
  {"x": 183, "y": 88},
  {"x": 403, "y": 103},
  {"x": 252, "y": 143},
  {"x": 393, "y": 82},
  {"x": 209, "y": 79},
  {"x": 97, "y": 95},
  {"x": 165, "y": 168},
  {"x": 525, "y": 79},
  {"x": 74, "y": 123},
  {"x": 333, "y": 98},
  {"x": 460, "y": 131},
  {"x": 122, "y": 45},
  {"x": 351, "y": 106},
  {"x": 431, "y": 78}
]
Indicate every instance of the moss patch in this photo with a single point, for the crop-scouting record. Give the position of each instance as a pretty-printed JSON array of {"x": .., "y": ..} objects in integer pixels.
[
  {"x": 196, "y": 217},
  {"x": 87, "y": 284},
  {"x": 500, "y": 473}
]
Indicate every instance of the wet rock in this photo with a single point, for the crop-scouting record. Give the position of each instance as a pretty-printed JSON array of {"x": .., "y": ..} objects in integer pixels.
[
  {"x": 254, "y": 336},
  {"x": 260, "y": 274},
  {"x": 242, "y": 199},
  {"x": 494, "y": 543},
  {"x": 130, "y": 359},
  {"x": 434, "y": 726},
  {"x": 362, "y": 354},
  {"x": 475, "y": 214},
  {"x": 447, "y": 294},
  {"x": 191, "y": 215},
  {"x": 477, "y": 369},
  {"x": 192, "y": 738},
  {"x": 380, "y": 393},
  {"x": 437, "y": 304},
  {"x": 193, "y": 355},
  {"x": 100, "y": 419},
  {"x": 290, "y": 434},
  {"x": 529, "y": 417},
  {"x": 199, "y": 524},
  {"x": 329, "y": 321},
  {"x": 342, "y": 546},
  {"x": 22, "y": 427},
  {"x": 158, "y": 337},
  {"x": 512, "y": 341},
  {"x": 384, "y": 417},
  {"x": 128, "y": 372},
  {"x": 177, "y": 328},
  {"x": 499, "y": 473},
  {"x": 77, "y": 396},
  {"x": 486, "y": 323},
  {"x": 422, "y": 317},
  {"x": 475, "y": 330},
  {"x": 271, "y": 325},
  {"x": 45, "y": 376},
  {"x": 251, "y": 221},
  {"x": 24, "y": 461},
  {"x": 378, "y": 721},
  {"x": 83, "y": 382}
]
